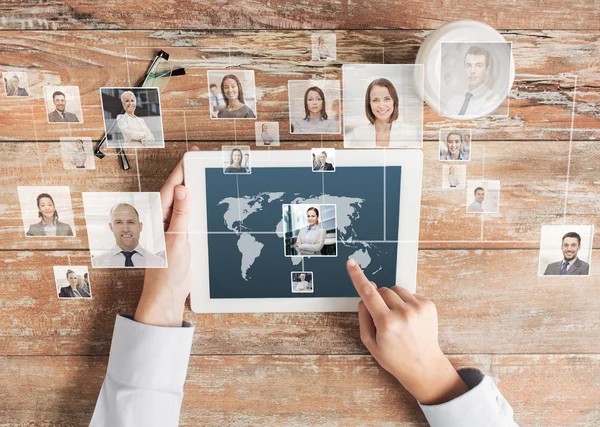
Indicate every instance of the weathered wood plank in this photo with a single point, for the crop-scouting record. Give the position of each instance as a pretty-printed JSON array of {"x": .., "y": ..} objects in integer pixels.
[
  {"x": 287, "y": 14},
  {"x": 541, "y": 101},
  {"x": 491, "y": 302},
  {"x": 533, "y": 176},
  {"x": 547, "y": 390}
]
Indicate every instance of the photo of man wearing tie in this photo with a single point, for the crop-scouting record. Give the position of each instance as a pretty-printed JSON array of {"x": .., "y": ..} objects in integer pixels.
[
  {"x": 482, "y": 84},
  {"x": 126, "y": 228},
  {"x": 56, "y": 97},
  {"x": 570, "y": 264}
]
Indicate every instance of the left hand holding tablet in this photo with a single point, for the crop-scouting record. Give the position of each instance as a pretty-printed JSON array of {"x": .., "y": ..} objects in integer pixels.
[{"x": 166, "y": 289}]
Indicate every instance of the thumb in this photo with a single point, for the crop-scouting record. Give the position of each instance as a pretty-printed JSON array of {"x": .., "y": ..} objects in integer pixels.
[{"x": 181, "y": 208}]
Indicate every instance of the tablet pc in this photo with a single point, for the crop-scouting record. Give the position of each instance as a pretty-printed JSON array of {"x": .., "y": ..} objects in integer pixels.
[{"x": 245, "y": 227}]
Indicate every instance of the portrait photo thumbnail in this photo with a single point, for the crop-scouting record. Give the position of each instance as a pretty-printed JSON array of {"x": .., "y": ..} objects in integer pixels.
[
  {"x": 382, "y": 108},
  {"x": 236, "y": 159},
  {"x": 232, "y": 94},
  {"x": 314, "y": 106},
  {"x": 77, "y": 152},
  {"x": 132, "y": 117},
  {"x": 455, "y": 145},
  {"x": 15, "y": 83},
  {"x": 323, "y": 159},
  {"x": 310, "y": 230},
  {"x": 72, "y": 282},
  {"x": 566, "y": 250},
  {"x": 63, "y": 104},
  {"x": 483, "y": 196},
  {"x": 475, "y": 79},
  {"x": 302, "y": 282},
  {"x": 323, "y": 46},
  {"x": 454, "y": 176},
  {"x": 46, "y": 211},
  {"x": 125, "y": 230},
  {"x": 266, "y": 134}
]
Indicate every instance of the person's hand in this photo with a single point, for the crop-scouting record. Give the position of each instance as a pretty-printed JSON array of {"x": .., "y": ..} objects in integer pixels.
[
  {"x": 400, "y": 330},
  {"x": 166, "y": 289}
]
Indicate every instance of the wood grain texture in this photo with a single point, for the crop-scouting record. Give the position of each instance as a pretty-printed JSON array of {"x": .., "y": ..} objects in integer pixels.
[
  {"x": 491, "y": 302},
  {"x": 533, "y": 177},
  {"x": 287, "y": 14},
  {"x": 539, "y": 337},
  {"x": 303, "y": 390},
  {"x": 542, "y": 98}
]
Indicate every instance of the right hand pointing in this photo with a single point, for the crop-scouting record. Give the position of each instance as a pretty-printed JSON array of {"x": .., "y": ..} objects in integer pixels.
[{"x": 400, "y": 330}]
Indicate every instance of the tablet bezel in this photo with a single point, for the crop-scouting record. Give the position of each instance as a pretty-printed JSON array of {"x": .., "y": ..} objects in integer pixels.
[{"x": 195, "y": 163}]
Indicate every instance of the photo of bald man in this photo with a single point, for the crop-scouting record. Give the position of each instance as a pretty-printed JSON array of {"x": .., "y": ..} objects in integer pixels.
[
  {"x": 126, "y": 227},
  {"x": 125, "y": 230}
]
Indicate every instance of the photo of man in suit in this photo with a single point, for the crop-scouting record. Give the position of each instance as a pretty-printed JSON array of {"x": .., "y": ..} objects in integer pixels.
[
  {"x": 570, "y": 265},
  {"x": 477, "y": 205},
  {"x": 60, "y": 114},
  {"x": 126, "y": 227},
  {"x": 479, "y": 98}
]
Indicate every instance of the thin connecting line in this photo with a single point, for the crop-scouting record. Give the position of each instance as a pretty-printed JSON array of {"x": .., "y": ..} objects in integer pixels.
[
  {"x": 570, "y": 150},
  {"x": 321, "y": 140},
  {"x": 483, "y": 177},
  {"x": 323, "y": 186},
  {"x": 365, "y": 241},
  {"x": 37, "y": 144},
  {"x": 234, "y": 131},
  {"x": 237, "y": 184},
  {"x": 383, "y": 56},
  {"x": 137, "y": 166},
  {"x": 384, "y": 195},
  {"x": 187, "y": 148},
  {"x": 127, "y": 65}
]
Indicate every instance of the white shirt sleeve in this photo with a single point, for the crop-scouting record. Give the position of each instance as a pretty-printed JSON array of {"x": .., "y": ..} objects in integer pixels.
[
  {"x": 146, "y": 372},
  {"x": 482, "y": 405}
]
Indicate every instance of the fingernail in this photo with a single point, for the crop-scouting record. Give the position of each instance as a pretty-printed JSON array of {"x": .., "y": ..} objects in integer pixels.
[
  {"x": 180, "y": 193},
  {"x": 351, "y": 262}
]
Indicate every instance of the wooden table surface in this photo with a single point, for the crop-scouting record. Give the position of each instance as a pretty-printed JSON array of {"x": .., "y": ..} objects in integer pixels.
[{"x": 538, "y": 337}]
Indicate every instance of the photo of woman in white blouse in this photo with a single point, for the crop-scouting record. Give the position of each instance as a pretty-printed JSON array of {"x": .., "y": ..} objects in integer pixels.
[
  {"x": 134, "y": 129},
  {"x": 132, "y": 117}
]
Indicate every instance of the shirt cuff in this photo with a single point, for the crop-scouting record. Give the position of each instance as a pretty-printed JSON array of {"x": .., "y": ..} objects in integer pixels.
[
  {"x": 153, "y": 357},
  {"x": 482, "y": 405}
]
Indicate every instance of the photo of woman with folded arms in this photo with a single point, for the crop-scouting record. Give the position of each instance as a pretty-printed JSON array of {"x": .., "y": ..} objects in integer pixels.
[
  {"x": 311, "y": 239},
  {"x": 315, "y": 118},
  {"x": 382, "y": 111},
  {"x": 266, "y": 137},
  {"x": 233, "y": 94},
  {"x": 79, "y": 156},
  {"x": 134, "y": 129}
]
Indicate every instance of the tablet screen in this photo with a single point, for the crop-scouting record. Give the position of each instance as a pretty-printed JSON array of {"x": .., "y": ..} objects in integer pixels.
[{"x": 255, "y": 222}]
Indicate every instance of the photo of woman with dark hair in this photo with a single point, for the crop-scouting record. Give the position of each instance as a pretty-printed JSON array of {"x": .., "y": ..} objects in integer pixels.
[
  {"x": 49, "y": 225},
  {"x": 313, "y": 116},
  {"x": 238, "y": 161},
  {"x": 233, "y": 95}
]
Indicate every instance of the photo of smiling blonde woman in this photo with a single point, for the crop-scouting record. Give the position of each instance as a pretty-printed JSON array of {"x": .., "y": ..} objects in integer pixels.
[{"x": 455, "y": 145}]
